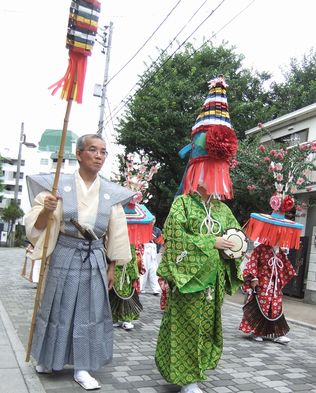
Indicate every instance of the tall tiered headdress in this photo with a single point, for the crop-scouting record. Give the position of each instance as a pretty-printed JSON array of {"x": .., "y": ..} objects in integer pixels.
[{"x": 214, "y": 144}]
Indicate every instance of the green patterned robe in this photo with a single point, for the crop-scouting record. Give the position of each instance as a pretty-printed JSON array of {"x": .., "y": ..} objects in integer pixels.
[
  {"x": 190, "y": 339},
  {"x": 124, "y": 277}
]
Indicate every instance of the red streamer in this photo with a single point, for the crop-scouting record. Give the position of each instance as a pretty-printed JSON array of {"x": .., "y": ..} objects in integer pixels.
[{"x": 75, "y": 73}]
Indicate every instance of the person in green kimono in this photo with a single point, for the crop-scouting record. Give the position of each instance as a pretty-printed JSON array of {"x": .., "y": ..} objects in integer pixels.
[
  {"x": 190, "y": 339},
  {"x": 124, "y": 298}
]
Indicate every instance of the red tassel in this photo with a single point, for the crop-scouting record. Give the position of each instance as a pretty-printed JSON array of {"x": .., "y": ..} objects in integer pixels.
[
  {"x": 214, "y": 174},
  {"x": 273, "y": 235},
  {"x": 140, "y": 233},
  {"x": 75, "y": 73}
]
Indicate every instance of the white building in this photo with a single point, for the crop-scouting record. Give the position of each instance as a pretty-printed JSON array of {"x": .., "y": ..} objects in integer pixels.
[
  {"x": 42, "y": 159},
  {"x": 299, "y": 127}
]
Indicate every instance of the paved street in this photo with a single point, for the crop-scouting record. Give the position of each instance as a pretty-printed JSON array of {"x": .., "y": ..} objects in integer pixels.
[{"x": 246, "y": 366}]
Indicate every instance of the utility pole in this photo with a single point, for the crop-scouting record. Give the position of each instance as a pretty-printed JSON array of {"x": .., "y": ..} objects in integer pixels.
[
  {"x": 22, "y": 141},
  {"x": 18, "y": 166},
  {"x": 107, "y": 42}
]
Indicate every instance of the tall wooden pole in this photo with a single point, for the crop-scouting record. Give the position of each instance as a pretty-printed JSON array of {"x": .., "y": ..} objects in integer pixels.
[{"x": 47, "y": 235}]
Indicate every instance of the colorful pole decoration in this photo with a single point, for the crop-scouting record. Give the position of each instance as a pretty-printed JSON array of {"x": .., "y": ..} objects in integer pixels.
[{"x": 82, "y": 28}]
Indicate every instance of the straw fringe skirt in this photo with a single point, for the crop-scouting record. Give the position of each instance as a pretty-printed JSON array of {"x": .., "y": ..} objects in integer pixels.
[{"x": 74, "y": 322}]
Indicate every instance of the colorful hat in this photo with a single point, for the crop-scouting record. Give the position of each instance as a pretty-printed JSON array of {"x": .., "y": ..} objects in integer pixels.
[
  {"x": 139, "y": 223},
  {"x": 214, "y": 144},
  {"x": 275, "y": 230}
]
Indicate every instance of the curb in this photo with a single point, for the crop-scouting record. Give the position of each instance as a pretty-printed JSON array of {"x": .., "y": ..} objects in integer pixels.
[{"x": 29, "y": 375}]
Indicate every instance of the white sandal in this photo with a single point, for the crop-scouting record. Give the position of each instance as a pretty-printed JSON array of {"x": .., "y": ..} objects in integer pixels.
[
  {"x": 85, "y": 380},
  {"x": 42, "y": 369}
]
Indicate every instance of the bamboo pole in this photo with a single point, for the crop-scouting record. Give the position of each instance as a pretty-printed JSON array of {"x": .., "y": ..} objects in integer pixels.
[{"x": 50, "y": 220}]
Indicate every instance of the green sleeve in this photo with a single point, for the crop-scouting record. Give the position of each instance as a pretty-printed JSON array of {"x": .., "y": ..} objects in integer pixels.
[
  {"x": 124, "y": 276},
  {"x": 190, "y": 260},
  {"x": 233, "y": 274}
]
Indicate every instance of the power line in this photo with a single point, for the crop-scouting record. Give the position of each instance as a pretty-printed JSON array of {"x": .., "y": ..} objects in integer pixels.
[
  {"x": 123, "y": 103},
  {"x": 160, "y": 55},
  {"x": 148, "y": 39},
  {"x": 176, "y": 36}
]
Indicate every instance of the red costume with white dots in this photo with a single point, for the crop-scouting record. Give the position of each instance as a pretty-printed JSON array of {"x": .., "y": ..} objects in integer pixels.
[{"x": 273, "y": 270}]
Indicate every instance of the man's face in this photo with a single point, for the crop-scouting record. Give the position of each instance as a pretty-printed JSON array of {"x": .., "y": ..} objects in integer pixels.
[{"x": 93, "y": 156}]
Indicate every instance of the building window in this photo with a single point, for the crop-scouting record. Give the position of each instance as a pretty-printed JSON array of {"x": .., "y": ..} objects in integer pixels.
[
  {"x": 21, "y": 175},
  {"x": 44, "y": 161},
  {"x": 294, "y": 138}
]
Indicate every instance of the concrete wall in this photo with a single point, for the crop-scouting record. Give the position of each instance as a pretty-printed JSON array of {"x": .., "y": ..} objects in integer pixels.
[{"x": 310, "y": 290}]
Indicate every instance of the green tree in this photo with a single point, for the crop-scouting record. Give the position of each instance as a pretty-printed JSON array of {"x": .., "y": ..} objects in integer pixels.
[
  {"x": 160, "y": 115},
  {"x": 10, "y": 214},
  {"x": 299, "y": 86}
]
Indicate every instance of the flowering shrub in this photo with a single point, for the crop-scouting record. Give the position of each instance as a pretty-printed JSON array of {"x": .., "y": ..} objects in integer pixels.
[
  {"x": 138, "y": 174},
  {"x": 268, "y": 175}
]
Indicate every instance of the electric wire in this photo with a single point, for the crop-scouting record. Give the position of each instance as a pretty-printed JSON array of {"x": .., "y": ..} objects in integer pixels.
[
  {"x": 129, "y": 97},
  {"x": 160, "y": 56},
  {"x": 122, "y": 103},
  {"x": 145, "y": 43}
]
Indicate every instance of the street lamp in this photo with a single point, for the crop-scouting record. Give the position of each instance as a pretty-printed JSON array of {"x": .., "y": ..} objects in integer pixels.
[{"x": 18, "y": 166}]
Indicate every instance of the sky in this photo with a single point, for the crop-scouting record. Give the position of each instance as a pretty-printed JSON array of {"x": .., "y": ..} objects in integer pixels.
[{"x": 267, "y": 32}]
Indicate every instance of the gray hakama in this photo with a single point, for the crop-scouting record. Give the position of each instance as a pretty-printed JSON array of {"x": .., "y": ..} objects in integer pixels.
[{"x": 75, "y": 314}]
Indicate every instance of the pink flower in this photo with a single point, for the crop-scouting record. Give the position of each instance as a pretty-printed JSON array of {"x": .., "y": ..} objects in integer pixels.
[
  {"x": 262, "y": 148},
  {"x": 279, "y": 177},
  {"x": 251, "y": 187},
  {"x": 273, "y": 152},
  {"x": 267, "y": 159},
  {"x": 313, "y": 146},
  {"x": 137, "y": 197},
  {"x": 309, "y": 188},
  {"x": 299, "y": 208},
  {"x": 293, "y": 190},
  {"x": 302, "y": 147},
  {"x": 234, "y": 163},
  {"x": 278, "y": 166},
  {"x": 275, "y": 202},
  {"x": 260, "y": 125},
  {"x": 279, "y": 187},
  {"x": 279, "y": 155},
  {"x": 300, "y": 181}
]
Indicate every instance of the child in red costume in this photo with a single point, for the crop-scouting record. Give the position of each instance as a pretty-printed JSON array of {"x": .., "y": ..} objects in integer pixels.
[{"x": 268, "y": 270}]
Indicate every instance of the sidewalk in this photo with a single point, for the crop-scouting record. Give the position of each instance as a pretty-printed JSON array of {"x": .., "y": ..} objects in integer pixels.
[
  {"x": 18, "y": 375},
  {"x": 246, "y": 366}
]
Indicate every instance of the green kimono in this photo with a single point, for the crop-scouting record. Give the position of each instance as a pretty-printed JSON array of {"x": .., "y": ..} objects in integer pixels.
[
  {"x": 190, "y": 339},
  {"x": 124, "y": 299}
]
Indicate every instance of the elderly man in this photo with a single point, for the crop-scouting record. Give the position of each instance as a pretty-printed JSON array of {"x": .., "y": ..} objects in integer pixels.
[{"x": 74, "y": 322}]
